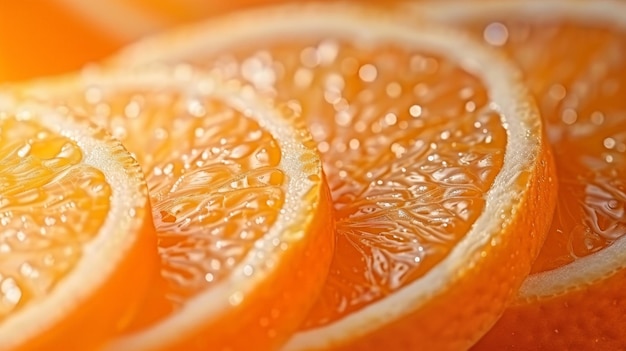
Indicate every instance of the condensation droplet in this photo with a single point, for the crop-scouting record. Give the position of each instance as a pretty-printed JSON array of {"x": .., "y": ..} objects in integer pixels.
[
  {"x": 327, "y": 51},
  {"x": 569, "y": 116},
  {"x": 248, "y": 270},
  {"x": 303, "y": 78},
  {"x": 415, "y": 111},
  {"x": 323, "y": 147},
  {"x": 496, "y": 34},
  {"x": 11, "y": 293},
  {"x": 368, "y": 73},
  {"x": 609, "y": 143},
  {"x": 309, "y": 57},
  {"x": 391, "y": 119},
  {"x": 196, "y": 108},
  {"x": 557, "y": 92},
  {"x": 93, "y": 95},
  {"x": 24, "y": 151},
  {"x": 132, "y": 110},
  {"x": 236, "y": 298},
  {"x": 470, "y": 106},
  {"x": 597, "y": 118},
  {"x": 343, "y": 118},
  {"x": 354, "y": 144},
  {"x": 393, "y": 90}
]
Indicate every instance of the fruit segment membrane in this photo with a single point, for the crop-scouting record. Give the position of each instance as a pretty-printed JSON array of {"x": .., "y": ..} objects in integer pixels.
[
  {"x": 51, "y": 205},
  {"x": 408, "y": 156}
]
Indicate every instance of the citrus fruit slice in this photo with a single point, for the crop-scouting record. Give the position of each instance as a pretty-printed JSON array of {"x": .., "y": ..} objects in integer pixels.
[
  {"x": 77, "y": 245},
  {"x": 440, "y": 175},
  {"x": 573, "y": 54},
  {"x": 240, "y": 204}
]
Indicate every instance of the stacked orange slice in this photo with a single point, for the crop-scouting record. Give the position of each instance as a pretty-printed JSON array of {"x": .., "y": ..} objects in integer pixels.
[
  {"x": 441, "y": 179},
  {"x": 572, "y": 54},
  {"x": 77, "y": 244},
  {"x": 240, "y": 204}
]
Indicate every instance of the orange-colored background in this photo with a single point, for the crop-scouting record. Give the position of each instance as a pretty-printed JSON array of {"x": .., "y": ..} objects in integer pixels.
[{"x": 44, "y": 37}]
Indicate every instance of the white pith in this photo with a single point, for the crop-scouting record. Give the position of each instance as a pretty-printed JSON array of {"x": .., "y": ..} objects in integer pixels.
[
  {"x": 102, "y": 255},
  {"x": 509, "y": 97},
  {"x": 602, "y": 13}
]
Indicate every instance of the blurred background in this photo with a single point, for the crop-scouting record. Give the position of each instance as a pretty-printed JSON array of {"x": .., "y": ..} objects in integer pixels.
[{"x": 46, "y": 37}]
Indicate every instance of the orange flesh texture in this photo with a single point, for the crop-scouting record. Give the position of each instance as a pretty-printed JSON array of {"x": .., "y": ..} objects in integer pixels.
[
  {"x": 580, "y": 89},
  {"x": 578, "y": 74},
  {"x": 213, "y": 177},
  {"x": 216, "y": 188},
  {"x": 51, "y": 206},
  {"x": 408, "y": 156}
]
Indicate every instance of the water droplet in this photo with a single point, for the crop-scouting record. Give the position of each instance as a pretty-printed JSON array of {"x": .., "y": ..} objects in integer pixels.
[
  {"x": 93, "y": 95},
  {"x": 415, "y": 111},
  {"x": 354, "y": 144},
  {"x": 569, "y": 116},
  {"x": 343, "y": 118},
  {"x": 248, "y": 270},
  {"x": 597, "y": 118},
  {"x": 303, "y": 78},
  {"x": 393, "y": 90},
  {"x": 391, "y": 119},
  {"x": 470, "y": 106},
  {"x": 196, "y": 108},
  {"x": 327, "y": 51},
  {"x": 132, "y": 110},
  {"x": 368, "y": 73},
  {"x": 12, "y": 294},
  {"x": 557, "y": 92},
  {"x": 309, "y": 57},
  {"x": 236, "y": 298},
  {"x": 609, "y": 143},
  {"x": 496, "y": 34},
  {"x": 24, "y": 151}
]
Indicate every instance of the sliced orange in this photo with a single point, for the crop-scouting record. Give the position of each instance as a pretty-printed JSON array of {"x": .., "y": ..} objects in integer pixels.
[
  {"x": 240, "y": 203},
  {"x": 573, "y": 54},
  {"x": 442, "y": 183},
  {"x": 77, "y": 245}
]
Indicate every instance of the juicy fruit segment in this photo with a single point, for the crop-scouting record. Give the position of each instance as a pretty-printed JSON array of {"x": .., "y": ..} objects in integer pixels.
[
  {"x": 586, "y": 123},
  {"x": 62, "y": 188},
  {"x": 570, "y": 300},
  {"x": 580, "y": 94},
  {"x": 409, "y": 158},
  {"x": 43, "y": 170},
  {"x": 407, "y": 170},
  {"x": 239, "y": 203}
]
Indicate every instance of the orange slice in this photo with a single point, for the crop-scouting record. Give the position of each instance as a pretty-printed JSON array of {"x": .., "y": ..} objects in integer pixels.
[
  {"x": 439, "y": 172},
  {"x": 574, "y": 57},
  {"x": 240, "y": 203},
  {"x": 77, "y": 245}
]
